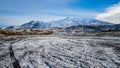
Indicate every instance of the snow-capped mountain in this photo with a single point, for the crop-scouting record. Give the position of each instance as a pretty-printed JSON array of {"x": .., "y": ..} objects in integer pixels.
[
  {"x": 77, "y": 21},
  {"x": 13, "y": 27},
  {"x": 60, "y": 23},
  {"x": 34, "y": 24}
]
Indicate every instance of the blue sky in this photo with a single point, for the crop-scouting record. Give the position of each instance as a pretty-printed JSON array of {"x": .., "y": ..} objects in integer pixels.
[{"x": 16, "y": 12}]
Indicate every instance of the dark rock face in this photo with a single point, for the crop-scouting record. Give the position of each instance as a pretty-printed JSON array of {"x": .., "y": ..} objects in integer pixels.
[
  {"x": 12, "y": 56},
  {"x": 60, "y": 52}
]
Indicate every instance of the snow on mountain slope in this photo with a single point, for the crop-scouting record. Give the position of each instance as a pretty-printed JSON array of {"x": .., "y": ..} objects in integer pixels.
[
  {"x": 112, "y": 14},
  {"x": 77, "y": 21},
  {"x": 13, "y": 27}
]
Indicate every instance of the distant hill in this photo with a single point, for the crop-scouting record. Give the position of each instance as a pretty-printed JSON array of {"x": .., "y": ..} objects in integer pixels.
[{"x": 2, "y": 26}]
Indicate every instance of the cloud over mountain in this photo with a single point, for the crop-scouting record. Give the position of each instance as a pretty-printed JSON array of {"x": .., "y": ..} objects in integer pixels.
[{"x": 112, "y": 14}]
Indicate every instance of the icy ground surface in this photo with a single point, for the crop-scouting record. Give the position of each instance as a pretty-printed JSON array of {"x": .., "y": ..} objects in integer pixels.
[{"x": 60, "y": 52}]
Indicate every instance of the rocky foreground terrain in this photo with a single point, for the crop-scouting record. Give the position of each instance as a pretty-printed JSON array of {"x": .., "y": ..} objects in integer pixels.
[{"x": 60, "y": 52}]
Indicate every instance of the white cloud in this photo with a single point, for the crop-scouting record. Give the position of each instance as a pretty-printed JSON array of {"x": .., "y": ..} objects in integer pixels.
[{"x": 112, "y": 14}]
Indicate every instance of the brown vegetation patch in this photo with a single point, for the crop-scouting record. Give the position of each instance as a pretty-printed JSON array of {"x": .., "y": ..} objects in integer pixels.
[{"x": 4, "y": 32}]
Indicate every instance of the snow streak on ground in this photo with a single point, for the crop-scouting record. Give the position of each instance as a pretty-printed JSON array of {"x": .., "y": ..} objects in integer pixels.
[{"x": 61, "y": 52}]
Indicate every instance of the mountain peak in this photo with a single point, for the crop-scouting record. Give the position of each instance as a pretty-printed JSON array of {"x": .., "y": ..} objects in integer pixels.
[
  {"x": 67, "y": 18},
  {"x": 32, "y": 21}
]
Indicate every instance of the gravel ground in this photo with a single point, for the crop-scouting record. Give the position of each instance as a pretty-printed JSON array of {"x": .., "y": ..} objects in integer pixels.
[{"x": 60, "y": 52}]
